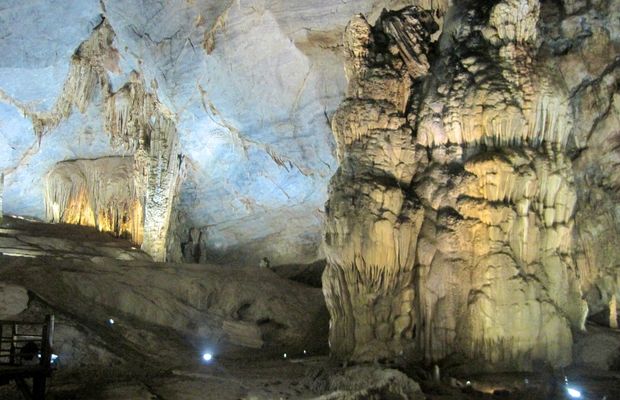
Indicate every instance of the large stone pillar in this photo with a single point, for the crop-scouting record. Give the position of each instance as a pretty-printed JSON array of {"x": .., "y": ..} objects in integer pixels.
[
  {"x": 137, "y": 120},
  {"x": 449, "y": 222},
  {"x": 373, "y": 217}
]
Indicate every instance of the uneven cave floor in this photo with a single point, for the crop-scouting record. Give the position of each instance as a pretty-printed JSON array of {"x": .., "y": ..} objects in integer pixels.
[{"x": 247, "y": 373}]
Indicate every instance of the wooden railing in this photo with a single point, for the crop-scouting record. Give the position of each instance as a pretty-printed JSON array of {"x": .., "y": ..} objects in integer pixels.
[{"x": 26, "y": 352}]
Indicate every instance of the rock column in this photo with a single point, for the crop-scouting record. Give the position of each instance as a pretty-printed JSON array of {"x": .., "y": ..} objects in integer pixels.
[
  {"x": 373, "y": 217},
  {"x": 450, "y": 221}
]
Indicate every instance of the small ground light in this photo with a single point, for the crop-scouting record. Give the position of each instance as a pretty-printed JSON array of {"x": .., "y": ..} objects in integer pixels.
[
  {"x": 111, "y": 321},
  {"x": 207, "y": 357},
  {"x": 305, "y": 352},
  {"x": 284, "y": 355},
  {"x": 574, "y": 393}
]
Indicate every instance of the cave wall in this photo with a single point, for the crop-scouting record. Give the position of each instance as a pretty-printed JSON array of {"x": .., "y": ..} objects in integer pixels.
[
  {"x": 243, "y": 94},
  {"x": 463, "y": 217},
  {"x": 473, "y": 161}
]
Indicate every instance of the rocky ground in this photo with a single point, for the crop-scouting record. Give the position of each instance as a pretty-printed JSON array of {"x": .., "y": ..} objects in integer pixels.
[{"x": 166, "y": 316}]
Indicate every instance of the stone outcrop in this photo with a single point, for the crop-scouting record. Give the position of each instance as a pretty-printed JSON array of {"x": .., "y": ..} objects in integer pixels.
[
  {"x": 167, "y": 314},
  {"x": 371, "y": 383},
  {"x": 373, "y": 219},
  {"x": 14, "y": 300},
  {"x": 465, "y": 243}
]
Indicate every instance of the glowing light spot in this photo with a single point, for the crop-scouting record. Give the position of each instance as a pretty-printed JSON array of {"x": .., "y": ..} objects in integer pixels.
[
  {"x": 468, "y": 383},
  {"x": 574, "y": 393},
  {"x": 54, "y": 357},
  {"x": 305, "y": 352},
  {"x": 207, "y": 357},
  {"x": 284, "y": 355},
  {"x": 111, "y": 321}
]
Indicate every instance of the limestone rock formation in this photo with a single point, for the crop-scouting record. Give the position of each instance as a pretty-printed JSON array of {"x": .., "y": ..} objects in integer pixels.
[
  {"x": 476, "y": 149},
  {"x": 598, "y": 349},
  {"x": 167, "y": 314},
  {"x": 371, "y": 383},
  {"x": 373, "y": 220},
  {"x": 100, "y": 193},
  {"x": 462, "y": 241},
  {"x": 239, "y": 95}
]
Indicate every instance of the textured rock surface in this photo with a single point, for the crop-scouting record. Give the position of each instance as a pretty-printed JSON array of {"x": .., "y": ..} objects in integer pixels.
[
  {"x": 165, "y": 317},
  {"x": 598, "y": 349},
  {"x": 100, "y": 193},
  {"x": 463, "y": 239},
  {"x": 477, "y": 188},
  {"x": 239, "y": 93},
  {"x": 13, "y": 300},
  {"x": 371, "y": 383},
  {"x": 373, "y": 221},
  {"x": 199, "y": 312},
  {"x": 167, "y": 314}
]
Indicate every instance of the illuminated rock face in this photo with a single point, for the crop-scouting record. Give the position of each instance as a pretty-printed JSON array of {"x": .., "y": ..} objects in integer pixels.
[
  {"x": 239, "y": 94},
  {"x": 463, "y": 243},
  {"x": 373, "y": 219},
  {"x": 100, "y": 193},
  {"x": 130, "y": 196},
  {"x": 486, "y": 152}
]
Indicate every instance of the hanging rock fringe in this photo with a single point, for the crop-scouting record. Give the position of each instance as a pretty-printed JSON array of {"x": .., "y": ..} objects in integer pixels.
[{"x": 99, "y": 193}]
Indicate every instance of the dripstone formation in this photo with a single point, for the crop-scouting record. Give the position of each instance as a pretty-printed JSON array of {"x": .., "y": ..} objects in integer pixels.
[{"x": 451, "y": 220}]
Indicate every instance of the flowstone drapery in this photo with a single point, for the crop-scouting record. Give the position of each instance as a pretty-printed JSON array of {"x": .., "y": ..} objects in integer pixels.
[
  {"x": 136, "y": 121},
  {"x": 450, "y": 221},
  {"x": 100, "y": 193},
  {"x": 373, "y": 218}
]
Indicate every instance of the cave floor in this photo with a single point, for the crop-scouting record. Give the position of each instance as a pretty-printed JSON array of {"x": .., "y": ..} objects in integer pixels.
[
  {"x": 301, "y": 379},
  {"x": 246, "y": 375},
  {"x": 221, "y": 380}
]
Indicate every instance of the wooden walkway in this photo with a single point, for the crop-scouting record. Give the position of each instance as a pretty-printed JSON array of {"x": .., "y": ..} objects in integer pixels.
[{"x": 26, "y": 353}]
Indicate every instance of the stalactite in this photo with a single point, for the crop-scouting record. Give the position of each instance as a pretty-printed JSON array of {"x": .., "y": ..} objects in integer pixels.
[
  {"x": 87, "y": 71},
  {"x": 99, "y": 193},
  {"x": 137, "y": 121}
]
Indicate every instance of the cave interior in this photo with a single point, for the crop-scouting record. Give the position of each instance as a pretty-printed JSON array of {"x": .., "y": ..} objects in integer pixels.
[{"x": 311, "y": 199}]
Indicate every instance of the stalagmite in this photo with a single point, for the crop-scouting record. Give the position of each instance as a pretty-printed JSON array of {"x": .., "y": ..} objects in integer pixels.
[{"x": 137, "y": 121}]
